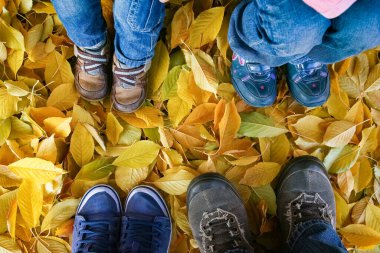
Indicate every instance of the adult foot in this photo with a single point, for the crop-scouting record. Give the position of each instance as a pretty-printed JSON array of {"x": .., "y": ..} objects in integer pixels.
[
  {"x": 217, "y": 215},
  {"x": 309, "y": 82},
  {"x": 92, "y": 72},
  {"x": 97, "y": 221},
  {"x": 129, "y": 88},
  {"x": 255, "y": 83},
  {"x": 304, "y": 194},
  {"x": 146, "y": 225}
]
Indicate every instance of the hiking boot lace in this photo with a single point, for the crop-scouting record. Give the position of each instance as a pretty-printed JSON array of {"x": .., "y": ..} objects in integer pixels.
[
  {"x": 146, "y": 233},
  {"x": 220, "y": 234},
  {"x": 95, "y": 236},
  {"x": 129, "y": 77},
  {"x": 313, "y": 208}
]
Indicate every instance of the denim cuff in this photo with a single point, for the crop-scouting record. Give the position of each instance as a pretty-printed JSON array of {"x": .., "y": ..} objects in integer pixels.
[
  {"x": 93, "y": 43},
  {"x": 300, "y": 229},
  {"x": 128, "y": 63}
]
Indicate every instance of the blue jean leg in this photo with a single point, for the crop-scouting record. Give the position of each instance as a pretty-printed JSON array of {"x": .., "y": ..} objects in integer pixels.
[
  {"x": 138, "y": 24},
  {"x": 274, "y": 32},
  {"x": 83, "y": 21},
  {"x": 354, "y": 31},
  {"x": 315, "y": 236}
]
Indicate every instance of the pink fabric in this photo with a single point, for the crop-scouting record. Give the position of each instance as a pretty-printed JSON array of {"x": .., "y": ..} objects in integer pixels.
[{"x": 330, "y": 8}]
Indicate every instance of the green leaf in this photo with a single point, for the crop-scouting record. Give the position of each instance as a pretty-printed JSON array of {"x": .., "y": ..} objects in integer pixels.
[
  {"x": 341, "y": 159},
  {"x": 169, "y": 87},
  {"x": 97, "y": 169},
  {"x": 266, "y": 193},
  {"x": 255, "y": 124}
]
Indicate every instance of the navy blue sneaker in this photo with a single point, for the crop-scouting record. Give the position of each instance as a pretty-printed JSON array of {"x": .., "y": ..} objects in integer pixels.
[
  {"x": 309, "y": 83},
  {"x": 255, "y": 83},
  {"x": 97, "y": 221},
  {"x": 146, "y": 224}
]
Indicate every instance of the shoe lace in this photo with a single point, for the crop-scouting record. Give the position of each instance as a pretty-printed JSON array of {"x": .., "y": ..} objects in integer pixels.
[
  {"x": 91, "y": 60},
  {"x": 304, "y": 211},
  {"x": 220, "y": 234},
  {"x": 95, "y": 236},
  {"x": 129, "y": 77},
  {"x": 146, "y": 233}
]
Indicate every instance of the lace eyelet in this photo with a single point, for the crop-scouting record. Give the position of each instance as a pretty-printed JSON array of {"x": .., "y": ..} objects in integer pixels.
[{"x": 231, "y": 220}]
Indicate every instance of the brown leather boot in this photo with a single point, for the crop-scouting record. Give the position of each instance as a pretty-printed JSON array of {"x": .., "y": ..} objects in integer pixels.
[
  {"x": 92, "y": 72},
  {"x": 129, "y": 87}
]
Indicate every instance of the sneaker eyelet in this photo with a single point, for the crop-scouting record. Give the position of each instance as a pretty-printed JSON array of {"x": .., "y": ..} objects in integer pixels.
[{"x": 231, "y": 220}]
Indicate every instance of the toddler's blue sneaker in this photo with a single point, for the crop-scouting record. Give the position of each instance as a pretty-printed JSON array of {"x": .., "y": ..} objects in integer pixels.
[
  {"x": 255, "y": 83},
  {"x": 97, "y": 221},
  {"x": 146, "y": 225},
  {"x": 309, "y": 83}
]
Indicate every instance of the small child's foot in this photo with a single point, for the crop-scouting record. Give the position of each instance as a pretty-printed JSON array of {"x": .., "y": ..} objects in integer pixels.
[
  {"x": 309, "y": 82},
  {"x": 255, "y": 83}
]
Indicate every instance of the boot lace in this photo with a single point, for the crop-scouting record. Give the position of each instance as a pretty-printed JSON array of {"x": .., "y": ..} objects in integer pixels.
[{"x": 219, "y": 234}]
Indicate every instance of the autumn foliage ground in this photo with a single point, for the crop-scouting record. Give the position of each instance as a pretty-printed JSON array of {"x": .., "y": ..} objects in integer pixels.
[{"x": 54, "y": 145}]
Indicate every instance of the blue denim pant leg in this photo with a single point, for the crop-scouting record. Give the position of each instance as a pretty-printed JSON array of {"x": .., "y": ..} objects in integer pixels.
[
  {"x": 83, "y": 21},
  {"x": 354, "y": 31},
  {"x": 275, "y": 32},
  {"x": 315, "y": 236},
  {"x": 138, "y": 24}
]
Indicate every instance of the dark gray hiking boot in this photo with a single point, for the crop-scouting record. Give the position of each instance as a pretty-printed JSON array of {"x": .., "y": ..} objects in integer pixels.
[
  {"x": 304, "y": 193},
  {"x": 217, "y": 215}
]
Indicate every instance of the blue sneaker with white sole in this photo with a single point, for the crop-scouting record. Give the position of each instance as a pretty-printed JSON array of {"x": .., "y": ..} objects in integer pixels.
[
  {"x": 309, "y": 83},
  {"x": 146, "y": 224},
  {"x": 255, "y": 83},
  {"x": 97, "y": 221}
]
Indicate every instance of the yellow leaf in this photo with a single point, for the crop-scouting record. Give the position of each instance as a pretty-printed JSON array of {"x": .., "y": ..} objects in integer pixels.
[
  {"x": 15, "y": 60},
  {"x": 8, "y": 104},
  {"x": 114, "y": 129},
  {"x": 127, "y": 178},
  {"x": 373, "y": 81},
  {"x": 8, "y": 245},
  {"x": 372, "y": 217},
  {"x": 82, "y": 145},
  {"x": 342, "y": 211},
  {"x": 181, "y": 22},
  {"x": 95, "y": 135},
  {"x": 58, "y": 126},
  {"x": 5, "y": 130},
  {"x": 51, "y": 244},
  {"x": 11, "y": 37},
  {"x": 33, "y": 36},
  {"x": 82, "y": 116},
  {"x": 42, "y": 113},
  {"x": 339, "y": 133},
  {"x": 47, "y": 150},
  {"x": 201, "y": 114},
  {"x": 206, "y": 27},
  {"x": 3, "y": 52},
  {"x": 175, "y": 183},
  {"x": 338, "y": 102},
  {"x": 362, "y": 174},
  {"x": 57, "y": 72},
  {"x": 138, "y": 155},
  {"x": 11, "y": 219},
  {"x": 8, "y": 178},
  {"x": 6, "y": 200},
  {"x": 360, "y": 235},
  {"x": 29, "y": 200},
  {"x": 151, "y": 116},
  {"x": 63, "y": 97},
  {"x": 341, "y": 159},
  {"x": 261, "y": 174},
  {"x": 275, "y": 149},
  {"x": 228, "y": 127},
  {"x": 255, "y": 124},
  {"x": 59, "y": 213},
  {"x": 178, "y": 109},
  {"x": 204, "y": 72},
  {"x": 35, "y": 169},
  {"x": 25, "y": 6},
  {"x": 309, "y": 128},
  {"x": 159, "y": 69}
]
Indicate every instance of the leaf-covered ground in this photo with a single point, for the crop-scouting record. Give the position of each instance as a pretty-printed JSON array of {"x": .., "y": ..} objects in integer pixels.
[{"x": 54, "y": 145}]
